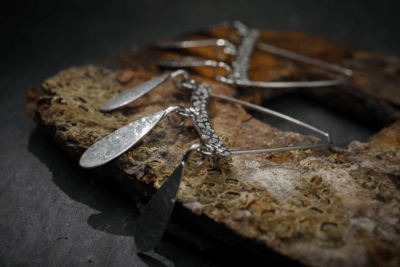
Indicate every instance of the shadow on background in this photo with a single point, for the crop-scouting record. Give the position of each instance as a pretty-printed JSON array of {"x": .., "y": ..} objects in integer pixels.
[
  {"x": 150, "y": 261},
  {"x": 222, "y": 255},
  {"x": 117, "y": 213}
]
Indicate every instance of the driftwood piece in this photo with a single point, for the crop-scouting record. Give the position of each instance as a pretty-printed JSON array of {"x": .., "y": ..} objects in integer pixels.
[{"x": 322, "y": 207}]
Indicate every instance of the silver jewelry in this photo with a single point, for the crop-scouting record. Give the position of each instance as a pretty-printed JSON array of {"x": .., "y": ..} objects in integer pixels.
[
  {"x": 237, "y": 73},
  {"x": 154, "y": 219}
]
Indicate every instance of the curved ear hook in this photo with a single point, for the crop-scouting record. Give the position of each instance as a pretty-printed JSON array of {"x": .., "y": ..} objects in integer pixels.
[
  {"x": 299, "y": 57},
  {"x": 281, "y": 116},
  {"x": 302, "y": 58},
  {"x": 188, "y": 63},
  {"x": 227, "y": 47}
]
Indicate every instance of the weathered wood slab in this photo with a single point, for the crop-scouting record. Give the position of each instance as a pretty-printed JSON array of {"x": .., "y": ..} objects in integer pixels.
[{"x": 322, "y": 207}]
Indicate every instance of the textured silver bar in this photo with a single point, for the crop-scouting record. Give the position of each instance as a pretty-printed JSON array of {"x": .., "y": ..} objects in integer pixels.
[
  {"x": 199, "y": 99},
  {"x": 242, "y": 62}
]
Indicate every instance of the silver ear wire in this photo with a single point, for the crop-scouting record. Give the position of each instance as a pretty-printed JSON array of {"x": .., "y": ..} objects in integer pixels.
[
  {"x": 249, "y": 41},
  {"x": 189, "y": 62},
  {"x": 228, "y": 47},
  {"x": 281, "y": 116}
]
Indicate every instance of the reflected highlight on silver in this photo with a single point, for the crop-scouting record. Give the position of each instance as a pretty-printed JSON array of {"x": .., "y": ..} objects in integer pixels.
[
  {"x": 130, "y": 95},
  {"x": 119, "y": 141}
]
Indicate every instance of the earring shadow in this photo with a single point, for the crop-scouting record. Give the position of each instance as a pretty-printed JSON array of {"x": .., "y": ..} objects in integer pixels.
[{"x": 117, "y": 213}]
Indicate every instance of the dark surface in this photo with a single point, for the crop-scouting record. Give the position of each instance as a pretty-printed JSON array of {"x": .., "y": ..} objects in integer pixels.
[{"x": 53, "y": 213}]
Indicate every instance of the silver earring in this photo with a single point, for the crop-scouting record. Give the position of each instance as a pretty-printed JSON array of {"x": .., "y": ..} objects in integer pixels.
[
  {"x": 154, "y": 219},
  {"x": 237, "y": 73}
]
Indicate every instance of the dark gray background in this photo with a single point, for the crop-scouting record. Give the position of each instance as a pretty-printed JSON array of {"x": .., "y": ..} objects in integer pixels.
[{"x": 52, "y": 213}]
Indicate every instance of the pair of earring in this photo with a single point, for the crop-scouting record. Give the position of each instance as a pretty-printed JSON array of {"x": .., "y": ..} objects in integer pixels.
[
  {"x": 236, "y": 74},
  {"x": 154, "y": 219}
]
